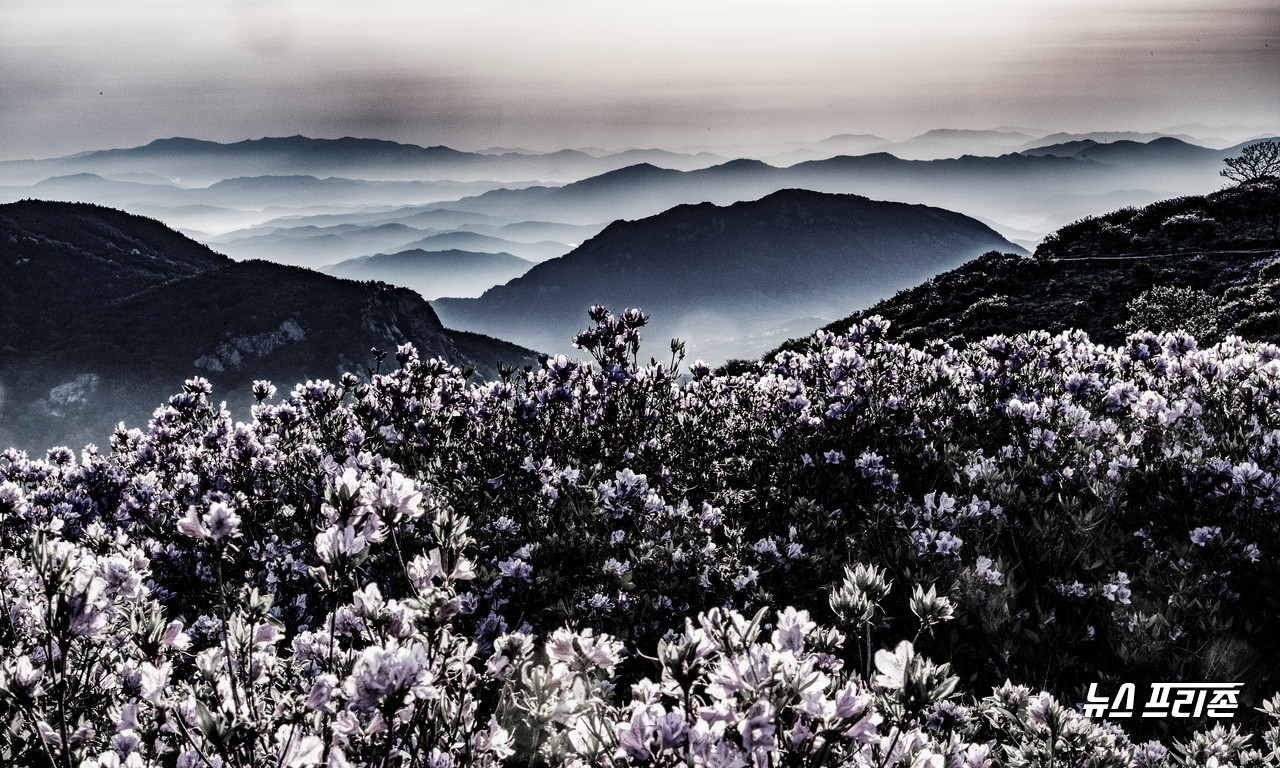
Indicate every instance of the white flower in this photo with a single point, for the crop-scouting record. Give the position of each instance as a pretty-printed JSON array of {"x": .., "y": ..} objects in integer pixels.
[
  {"x": 154, "y": 680},
  {"x": 190, "y": 525},
  {"x": 295, "y": 749},
  {"x": 614, "y": 568},
  {"x": 24, "y": 677},
  {"x": 584, "y": 650},
  {"x": 758, "y": 729},
  {"x": 496, "y": 740},
  {"x": 395, "y": 496},
  {"x": 174, "y": 637},
  {"x": 121, "y": 578},
  {"x": 463, "y": 570},
  {"x": 333, "y": 543},
  {"x": 1039, "y": 710},
  {"x": 516, "y": 569},
  {"x": 367, "y": 602},
  {"x": 892, "y": 666}
]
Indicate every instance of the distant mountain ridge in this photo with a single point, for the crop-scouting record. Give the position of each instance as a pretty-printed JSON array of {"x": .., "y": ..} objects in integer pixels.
[
  {"x": 1012, "y": 184},
  {"x": 719, "y": 276},
  {"x": 104, "y": 314},
  {"x": 201, "y": 162},
  {"x": 433, "y": 274}
]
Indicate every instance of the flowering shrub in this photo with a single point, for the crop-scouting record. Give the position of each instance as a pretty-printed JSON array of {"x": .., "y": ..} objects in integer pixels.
[
  {"x": 824, "y": 561},
  {"x": 1242, "y": 216},
  {"x": 1167, "y": 307}
]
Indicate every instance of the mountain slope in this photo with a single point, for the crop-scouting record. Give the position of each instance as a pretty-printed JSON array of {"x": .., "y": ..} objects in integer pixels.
[
  {"x": 105, "y": 314},
  {"x": 717, "y": 276},
  {"x": 1217, "y": 251}
]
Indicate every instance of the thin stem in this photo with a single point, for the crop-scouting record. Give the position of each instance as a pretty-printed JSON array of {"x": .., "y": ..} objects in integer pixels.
[
  {"x": 191, "y": 741},
  {"x": 35, "y": 718},
  {"x": 226, "y": 636},
  {"x": 325, "y": 728}
]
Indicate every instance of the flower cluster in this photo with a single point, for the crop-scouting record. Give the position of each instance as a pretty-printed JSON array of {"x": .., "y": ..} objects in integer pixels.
[{"x": 612, "y": 564}]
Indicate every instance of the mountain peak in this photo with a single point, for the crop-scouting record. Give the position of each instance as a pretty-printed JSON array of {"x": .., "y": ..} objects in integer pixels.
[{"x": 717, "y": 275}]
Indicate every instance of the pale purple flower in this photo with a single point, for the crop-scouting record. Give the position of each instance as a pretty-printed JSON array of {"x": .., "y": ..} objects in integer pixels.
[
  {"x": 321, "y": 691},
  {"x": 221, "y": 521},
  {"x": 191, "y": 525},
  {"x": 758, "y": 728},
  {"x": 793, "y": 626},
  {"x": 1204, "y": 534},
  {"x": 385, "y": 673},
  {"x": 1117, "y": 590},
  {"x": 986, "y": 570},
  {"x": 516, "y": 569}
]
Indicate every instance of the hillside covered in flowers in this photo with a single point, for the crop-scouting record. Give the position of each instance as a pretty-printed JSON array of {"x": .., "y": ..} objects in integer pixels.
[{"x": 861, "y": 553}]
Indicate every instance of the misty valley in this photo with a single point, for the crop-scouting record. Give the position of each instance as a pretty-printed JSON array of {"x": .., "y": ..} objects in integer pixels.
[{"x": 732, "y": 255}]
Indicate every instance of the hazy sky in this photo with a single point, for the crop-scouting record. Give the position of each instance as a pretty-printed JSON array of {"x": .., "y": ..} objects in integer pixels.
[{"x": 88, "y": 74}]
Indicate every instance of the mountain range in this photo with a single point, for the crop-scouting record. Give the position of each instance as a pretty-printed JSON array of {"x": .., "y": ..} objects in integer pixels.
[
  {"x": 242, "y": 198},
  {"x": 1055, "y": 184},
  {"x": 725, "y": 278},
  {"x": 104, "y": 314},
  {"x": 200, "y": 163}
]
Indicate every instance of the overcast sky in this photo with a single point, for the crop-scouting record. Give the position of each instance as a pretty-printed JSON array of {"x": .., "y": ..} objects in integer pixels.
[{"x": 88, "y": 74}]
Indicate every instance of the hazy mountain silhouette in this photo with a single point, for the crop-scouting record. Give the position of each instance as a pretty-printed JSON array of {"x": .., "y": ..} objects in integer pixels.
[
  {"x": 313, "y": 246},
  {"x": 532, "y": 231},
  {"x": 199, "y": 163},
  {"x": 942, "y": 143},
  {"x": 1063, "y": 149},
  {"x": 298, "y": 192},
  {"x": 473, "y": 241},
  {"x": 1164, "y": 152},
  {"x": 840, "y": 144},
  {"x": 851, "y": 143},
  {"x": 289, "y": 182},
  {"x": 1158, "y": 151},
  {"x": 1105, "y": 137},
  {"x": 304, "y": 191},
  {"x": 719, "y": 277},
  {"x": 103, "y": 314},
  {"x": 418, "y": 216},
  {"x": 435, "y": 273},
  {"x": 92, "y": 188},
  {"x": 1029, "y": 188}
]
